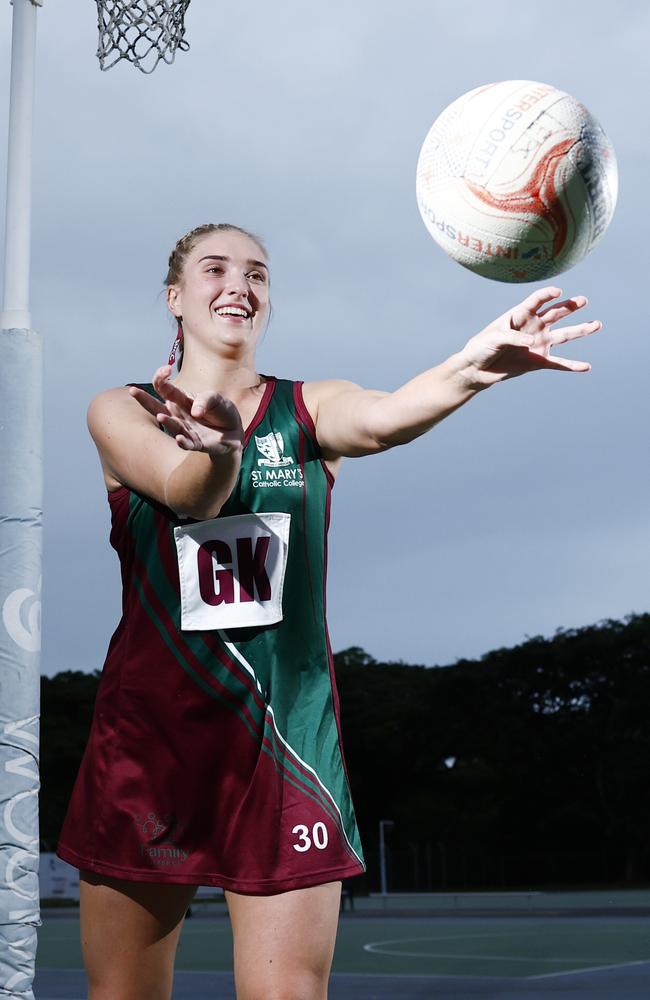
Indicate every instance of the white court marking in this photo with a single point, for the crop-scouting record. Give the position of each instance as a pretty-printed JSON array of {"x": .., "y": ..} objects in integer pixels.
[
  {"x": 593, "y": 968},
  {"x": 379, "y": 948},
  {"x": 375, "y": 946}
]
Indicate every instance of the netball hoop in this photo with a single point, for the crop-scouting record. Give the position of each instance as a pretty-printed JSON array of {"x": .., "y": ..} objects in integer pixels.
[{"x": 141, "y": 31}]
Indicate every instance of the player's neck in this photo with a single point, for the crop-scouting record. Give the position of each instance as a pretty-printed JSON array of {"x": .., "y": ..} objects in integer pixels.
[{"x": 229, "y": 376}]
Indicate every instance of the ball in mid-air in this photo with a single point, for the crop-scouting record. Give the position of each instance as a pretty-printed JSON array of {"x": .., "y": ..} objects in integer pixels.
[{"x": 516, "y": 181}]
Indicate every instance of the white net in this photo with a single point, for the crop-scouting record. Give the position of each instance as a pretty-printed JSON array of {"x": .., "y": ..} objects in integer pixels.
[{"x": 141, "y": 31}]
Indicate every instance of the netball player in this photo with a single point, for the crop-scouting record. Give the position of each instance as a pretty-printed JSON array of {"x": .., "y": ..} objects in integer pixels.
[{"x": 215, "y": 754}]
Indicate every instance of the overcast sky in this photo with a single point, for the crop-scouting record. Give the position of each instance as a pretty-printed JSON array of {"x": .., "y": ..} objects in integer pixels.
[{"x": 525, "y": 511}]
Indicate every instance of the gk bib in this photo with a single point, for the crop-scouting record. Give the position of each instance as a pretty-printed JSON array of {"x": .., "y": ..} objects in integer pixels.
[{"x": 232, "y": 570}]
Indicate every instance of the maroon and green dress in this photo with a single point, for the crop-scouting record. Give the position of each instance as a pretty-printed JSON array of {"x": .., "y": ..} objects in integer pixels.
[{"x": 214, "y": 756}]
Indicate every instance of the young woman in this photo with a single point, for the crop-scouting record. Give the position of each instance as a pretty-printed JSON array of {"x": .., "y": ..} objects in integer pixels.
[{"x": 215, "y": 755}]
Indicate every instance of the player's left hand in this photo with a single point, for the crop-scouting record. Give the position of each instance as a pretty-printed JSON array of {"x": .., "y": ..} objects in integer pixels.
[{"x": 521, "y": 340}]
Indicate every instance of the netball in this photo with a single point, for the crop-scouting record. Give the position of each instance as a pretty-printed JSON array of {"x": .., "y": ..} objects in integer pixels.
[{"x": 516, "y": 181}]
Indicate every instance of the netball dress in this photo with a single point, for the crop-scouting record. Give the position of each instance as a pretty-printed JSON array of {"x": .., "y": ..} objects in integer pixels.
[{"x": 214, "y": 756}]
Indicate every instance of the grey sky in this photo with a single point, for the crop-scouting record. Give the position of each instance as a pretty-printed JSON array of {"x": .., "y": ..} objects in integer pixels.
[{"x": 528, "y": 509}]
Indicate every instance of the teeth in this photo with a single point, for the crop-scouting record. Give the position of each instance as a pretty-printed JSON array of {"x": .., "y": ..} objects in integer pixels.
[{"x": 231, "y": 311}]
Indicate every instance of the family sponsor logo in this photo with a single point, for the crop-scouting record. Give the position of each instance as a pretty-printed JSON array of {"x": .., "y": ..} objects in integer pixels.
[{"x": 164, "y": 852}]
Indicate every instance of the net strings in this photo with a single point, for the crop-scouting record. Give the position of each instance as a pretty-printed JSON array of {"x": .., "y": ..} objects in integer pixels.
[{"x": 140, "y": 31}]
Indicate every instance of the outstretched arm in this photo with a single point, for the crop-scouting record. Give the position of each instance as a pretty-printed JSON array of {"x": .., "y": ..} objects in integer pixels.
[{"x": 353, "y": 421}]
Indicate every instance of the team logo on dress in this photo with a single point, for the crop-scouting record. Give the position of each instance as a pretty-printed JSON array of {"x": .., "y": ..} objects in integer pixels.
[
  {"x": 160, "y": 852},
  {"x": 151, "y": 826},
  {"x": 272, "y": 447}
]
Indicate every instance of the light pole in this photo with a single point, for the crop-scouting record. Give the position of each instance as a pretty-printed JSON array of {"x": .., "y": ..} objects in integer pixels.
[{"x": 384, "y": 824}]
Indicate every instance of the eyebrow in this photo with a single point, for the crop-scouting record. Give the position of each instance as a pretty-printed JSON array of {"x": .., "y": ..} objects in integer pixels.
[{"x": 216, "y": 256}]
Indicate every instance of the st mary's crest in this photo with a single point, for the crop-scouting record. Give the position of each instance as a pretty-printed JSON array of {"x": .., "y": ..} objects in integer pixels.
[{"x": 271, "y": 447}]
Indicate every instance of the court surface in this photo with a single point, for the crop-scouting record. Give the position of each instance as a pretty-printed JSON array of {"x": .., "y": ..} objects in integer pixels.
[{"x": 514, "y": 945}]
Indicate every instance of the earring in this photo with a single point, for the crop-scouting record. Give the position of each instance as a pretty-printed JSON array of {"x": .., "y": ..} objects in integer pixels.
[{"x": 177, "y": 343}]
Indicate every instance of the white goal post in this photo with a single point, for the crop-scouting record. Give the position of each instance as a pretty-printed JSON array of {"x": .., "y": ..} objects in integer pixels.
[{"x": 138, "y": 30}]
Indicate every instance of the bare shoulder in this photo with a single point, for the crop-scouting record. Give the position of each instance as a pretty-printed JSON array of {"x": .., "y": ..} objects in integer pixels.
[
  {"x": 113, "y": 405},
  {"x": 118, "y": 423},
  {"x": 129, "y": 440},
  {"x": 315, "y": 393},
  {"x": 108, "y": 399}
]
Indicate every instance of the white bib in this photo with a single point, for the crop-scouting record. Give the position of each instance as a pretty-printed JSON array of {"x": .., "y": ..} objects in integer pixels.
[{"x": 232, "y": 570}]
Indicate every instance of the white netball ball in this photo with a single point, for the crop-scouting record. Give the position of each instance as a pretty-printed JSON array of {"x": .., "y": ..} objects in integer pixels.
[{"x": 516, "y": 181}]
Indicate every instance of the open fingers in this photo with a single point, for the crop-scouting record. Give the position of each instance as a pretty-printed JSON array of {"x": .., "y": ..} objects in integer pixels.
[
  {"x": 559, "y": 310},
  {"x": 207, "y": 402},
  {"x": 171, "y": 424},
  {"x": 565, "y": 333},
  {"x": 217, "y": 410},
  {"x": 176, "y": 424},
  {"x": 531, "y": 304},
  {"x": 170, "y": 392},
  {"x": 567, "y": 365},
  {"x": 183, "y": 435},
  {"x": 147, "y": 401}
]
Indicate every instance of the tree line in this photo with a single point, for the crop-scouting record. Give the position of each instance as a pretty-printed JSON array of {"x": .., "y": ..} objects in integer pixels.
[{"x": 526, "y": 767}]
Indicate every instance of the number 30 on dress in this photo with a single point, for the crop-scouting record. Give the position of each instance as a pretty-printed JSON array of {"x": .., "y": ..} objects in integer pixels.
[{"x": 318, "y": 837}]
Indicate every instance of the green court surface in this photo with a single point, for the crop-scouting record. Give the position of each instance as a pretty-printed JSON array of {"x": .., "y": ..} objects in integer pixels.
[
  {"x": 633, "y": 901},
  {"x": 524, "y": 947},
  {"x": 522, "y": 935}
]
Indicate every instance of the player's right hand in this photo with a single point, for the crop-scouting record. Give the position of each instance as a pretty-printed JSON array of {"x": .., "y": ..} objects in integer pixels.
[
  {"x": 208, "y": 422},
  {"x": 521, "y": 340}
]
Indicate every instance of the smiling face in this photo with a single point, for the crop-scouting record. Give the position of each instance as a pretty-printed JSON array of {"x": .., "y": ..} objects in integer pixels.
[{"x": 222, "y": 294}]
